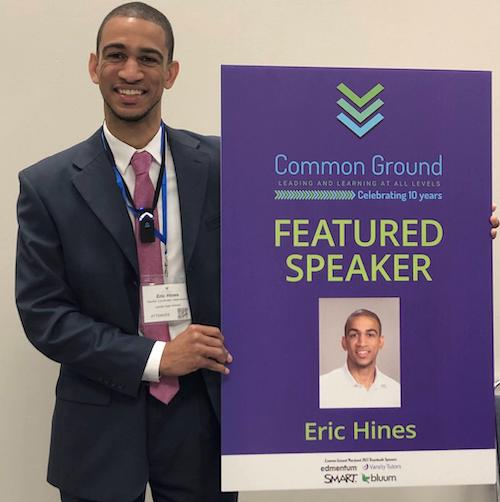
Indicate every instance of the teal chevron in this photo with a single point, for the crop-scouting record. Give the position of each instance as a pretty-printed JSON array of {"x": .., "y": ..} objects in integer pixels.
[
  {"x": 314, "y": 195},
  {"x": 360, "y": 131},
  {"x": 359, "y": 116},
  {"x": 360, "y": 101}
]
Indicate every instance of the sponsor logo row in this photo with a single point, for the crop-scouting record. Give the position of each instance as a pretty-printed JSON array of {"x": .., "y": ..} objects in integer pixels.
[
  {"x": 353, "y": 478},
  {"x": 348, "y": 474}
]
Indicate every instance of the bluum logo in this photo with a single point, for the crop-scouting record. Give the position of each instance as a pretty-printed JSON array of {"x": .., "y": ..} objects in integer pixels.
[
  {"x": 360, "y": 125},
  {"x": 377, "y": 478}
]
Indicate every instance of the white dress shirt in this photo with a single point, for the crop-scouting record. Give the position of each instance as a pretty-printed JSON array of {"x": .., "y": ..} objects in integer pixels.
[
  {"x": 339, "y": 389},
  {"x": 173, "y": 259}
]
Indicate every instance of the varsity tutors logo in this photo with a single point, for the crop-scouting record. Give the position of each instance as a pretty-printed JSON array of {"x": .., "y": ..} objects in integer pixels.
[{"x": 360, "y": 113}]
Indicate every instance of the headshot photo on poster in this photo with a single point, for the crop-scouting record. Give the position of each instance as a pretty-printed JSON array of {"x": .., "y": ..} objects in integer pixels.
[{"x": 359, "y": 353}]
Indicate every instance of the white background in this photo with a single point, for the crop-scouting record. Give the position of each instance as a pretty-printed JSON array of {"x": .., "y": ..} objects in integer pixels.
[{"x": 48, "y": 103}]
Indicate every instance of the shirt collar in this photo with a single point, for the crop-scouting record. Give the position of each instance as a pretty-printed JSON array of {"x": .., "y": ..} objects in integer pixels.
[
  {"x": 380, "y": 379},
  {"x": 122, "y": 152}
]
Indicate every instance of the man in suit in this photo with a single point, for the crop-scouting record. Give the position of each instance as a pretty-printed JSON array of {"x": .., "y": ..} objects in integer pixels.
[{"x": 136, "y": 401}]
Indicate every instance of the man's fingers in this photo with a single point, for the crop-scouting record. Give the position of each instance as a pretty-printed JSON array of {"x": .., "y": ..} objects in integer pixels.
[
  {"x": 211, "y": 331},
  {"x": 494, "y": 220},
  {"x": 211, "y": 344},
  {"x": 211, "y": 341},
  {"x": 215, "y": 366},
  {"x": 219, "y": 355},
  {"x": 199, "y": 346}
]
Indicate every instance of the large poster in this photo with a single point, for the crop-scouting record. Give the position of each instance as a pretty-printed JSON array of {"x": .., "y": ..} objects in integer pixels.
[{"x": 357, "y": 297}]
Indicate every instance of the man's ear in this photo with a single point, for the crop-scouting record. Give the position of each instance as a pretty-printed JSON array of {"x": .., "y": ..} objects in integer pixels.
[
  {"x": 93, "y": 62},
  {"x": 343, "y": 342},
  {"x": 172, "y": 72},
  {"x": 381, "y": 343}
]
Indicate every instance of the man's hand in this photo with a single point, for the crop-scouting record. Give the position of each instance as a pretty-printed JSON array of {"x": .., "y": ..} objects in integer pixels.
[
  {"x": 196, "y": 347},
  {"x": 494, "y": 221}
]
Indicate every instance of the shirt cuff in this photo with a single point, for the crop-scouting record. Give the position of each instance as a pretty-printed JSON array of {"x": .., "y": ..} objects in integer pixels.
[{"x": 152, "y": 369}]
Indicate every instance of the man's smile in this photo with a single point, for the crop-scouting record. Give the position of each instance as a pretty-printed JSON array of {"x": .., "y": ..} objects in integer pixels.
[
  {"x": 129, "y": 96},
  {"x": 130, "y": 92}
]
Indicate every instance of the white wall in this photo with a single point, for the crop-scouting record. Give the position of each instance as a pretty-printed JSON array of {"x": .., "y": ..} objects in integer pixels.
[{"x": 47, "y": 102}]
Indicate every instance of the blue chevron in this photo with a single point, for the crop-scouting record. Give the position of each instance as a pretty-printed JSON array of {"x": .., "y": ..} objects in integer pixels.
[{"x": 360, "y": 131}]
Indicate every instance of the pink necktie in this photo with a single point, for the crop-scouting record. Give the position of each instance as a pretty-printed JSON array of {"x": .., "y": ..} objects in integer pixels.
[{"x": 150, "y": 265}]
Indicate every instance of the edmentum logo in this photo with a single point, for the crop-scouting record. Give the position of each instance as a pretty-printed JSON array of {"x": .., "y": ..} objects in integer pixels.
[{"x": 362, "y": 112}]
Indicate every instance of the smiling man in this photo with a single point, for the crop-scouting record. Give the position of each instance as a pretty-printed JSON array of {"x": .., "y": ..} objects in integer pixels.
[
  {"x": 359, "y": 383},
  {"x": 118, "y": 282}
]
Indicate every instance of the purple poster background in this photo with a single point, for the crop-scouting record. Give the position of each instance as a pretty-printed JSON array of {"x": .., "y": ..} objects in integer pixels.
[{"x": 271, "y": 325}]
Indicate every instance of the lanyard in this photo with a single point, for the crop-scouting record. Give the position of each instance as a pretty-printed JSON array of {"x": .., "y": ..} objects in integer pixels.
[{"x": 137, "y": 212}]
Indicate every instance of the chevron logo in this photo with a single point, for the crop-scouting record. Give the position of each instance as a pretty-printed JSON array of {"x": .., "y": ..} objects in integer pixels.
[
  {"x": 314, "y": 195},
  {"x": 360, "y": 118}
]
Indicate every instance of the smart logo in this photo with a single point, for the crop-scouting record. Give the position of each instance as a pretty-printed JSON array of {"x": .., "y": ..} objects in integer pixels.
[
  {"x": 340, "y": 478},
  {"x": 363, "y": 113}
]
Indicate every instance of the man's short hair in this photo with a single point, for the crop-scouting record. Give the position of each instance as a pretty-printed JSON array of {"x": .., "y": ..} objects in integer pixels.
[
  {"x": 362, "y": 313},
  {"x": 140, "y": 10}
]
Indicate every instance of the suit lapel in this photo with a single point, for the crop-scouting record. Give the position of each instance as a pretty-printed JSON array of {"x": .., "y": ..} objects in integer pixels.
[
  {"x": 95, "y": 181},
  {"x": 191, "y": 169}
]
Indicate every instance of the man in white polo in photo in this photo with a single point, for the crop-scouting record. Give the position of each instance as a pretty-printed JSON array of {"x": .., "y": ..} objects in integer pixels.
[{"x": 360, "y": 383}]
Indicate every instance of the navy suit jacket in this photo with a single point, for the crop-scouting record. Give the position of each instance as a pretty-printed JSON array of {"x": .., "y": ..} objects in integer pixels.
[{"x": 77, "y": 293}]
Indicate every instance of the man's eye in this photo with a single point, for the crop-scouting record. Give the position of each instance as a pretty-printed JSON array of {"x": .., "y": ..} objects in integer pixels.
[
  {"x": 115, "y": 56},
  {"x": 148, "y": 60}
]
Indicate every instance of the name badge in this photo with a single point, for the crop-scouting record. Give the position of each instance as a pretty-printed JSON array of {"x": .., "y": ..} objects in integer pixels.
[{"x": 165, "y": 302}]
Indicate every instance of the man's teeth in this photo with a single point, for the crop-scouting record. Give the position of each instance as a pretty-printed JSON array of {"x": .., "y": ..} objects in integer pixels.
[{"x": 130, "y": 92}]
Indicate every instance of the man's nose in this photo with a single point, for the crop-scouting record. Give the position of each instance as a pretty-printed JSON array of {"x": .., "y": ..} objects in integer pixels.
[
  {"x": 361, "y": 339},
  {"x": 131, "y": 71}
]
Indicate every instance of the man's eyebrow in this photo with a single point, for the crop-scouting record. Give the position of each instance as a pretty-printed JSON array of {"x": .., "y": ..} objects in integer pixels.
[
  {"x": 114, "y": 45},
  {"x": 148, "y": 50},
  {"x": 145, "y": 50},
  {"x": 354, "y": 330}
]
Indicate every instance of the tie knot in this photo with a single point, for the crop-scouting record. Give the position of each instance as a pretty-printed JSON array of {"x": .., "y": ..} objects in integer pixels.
[{"x": 141, "y": 162}]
